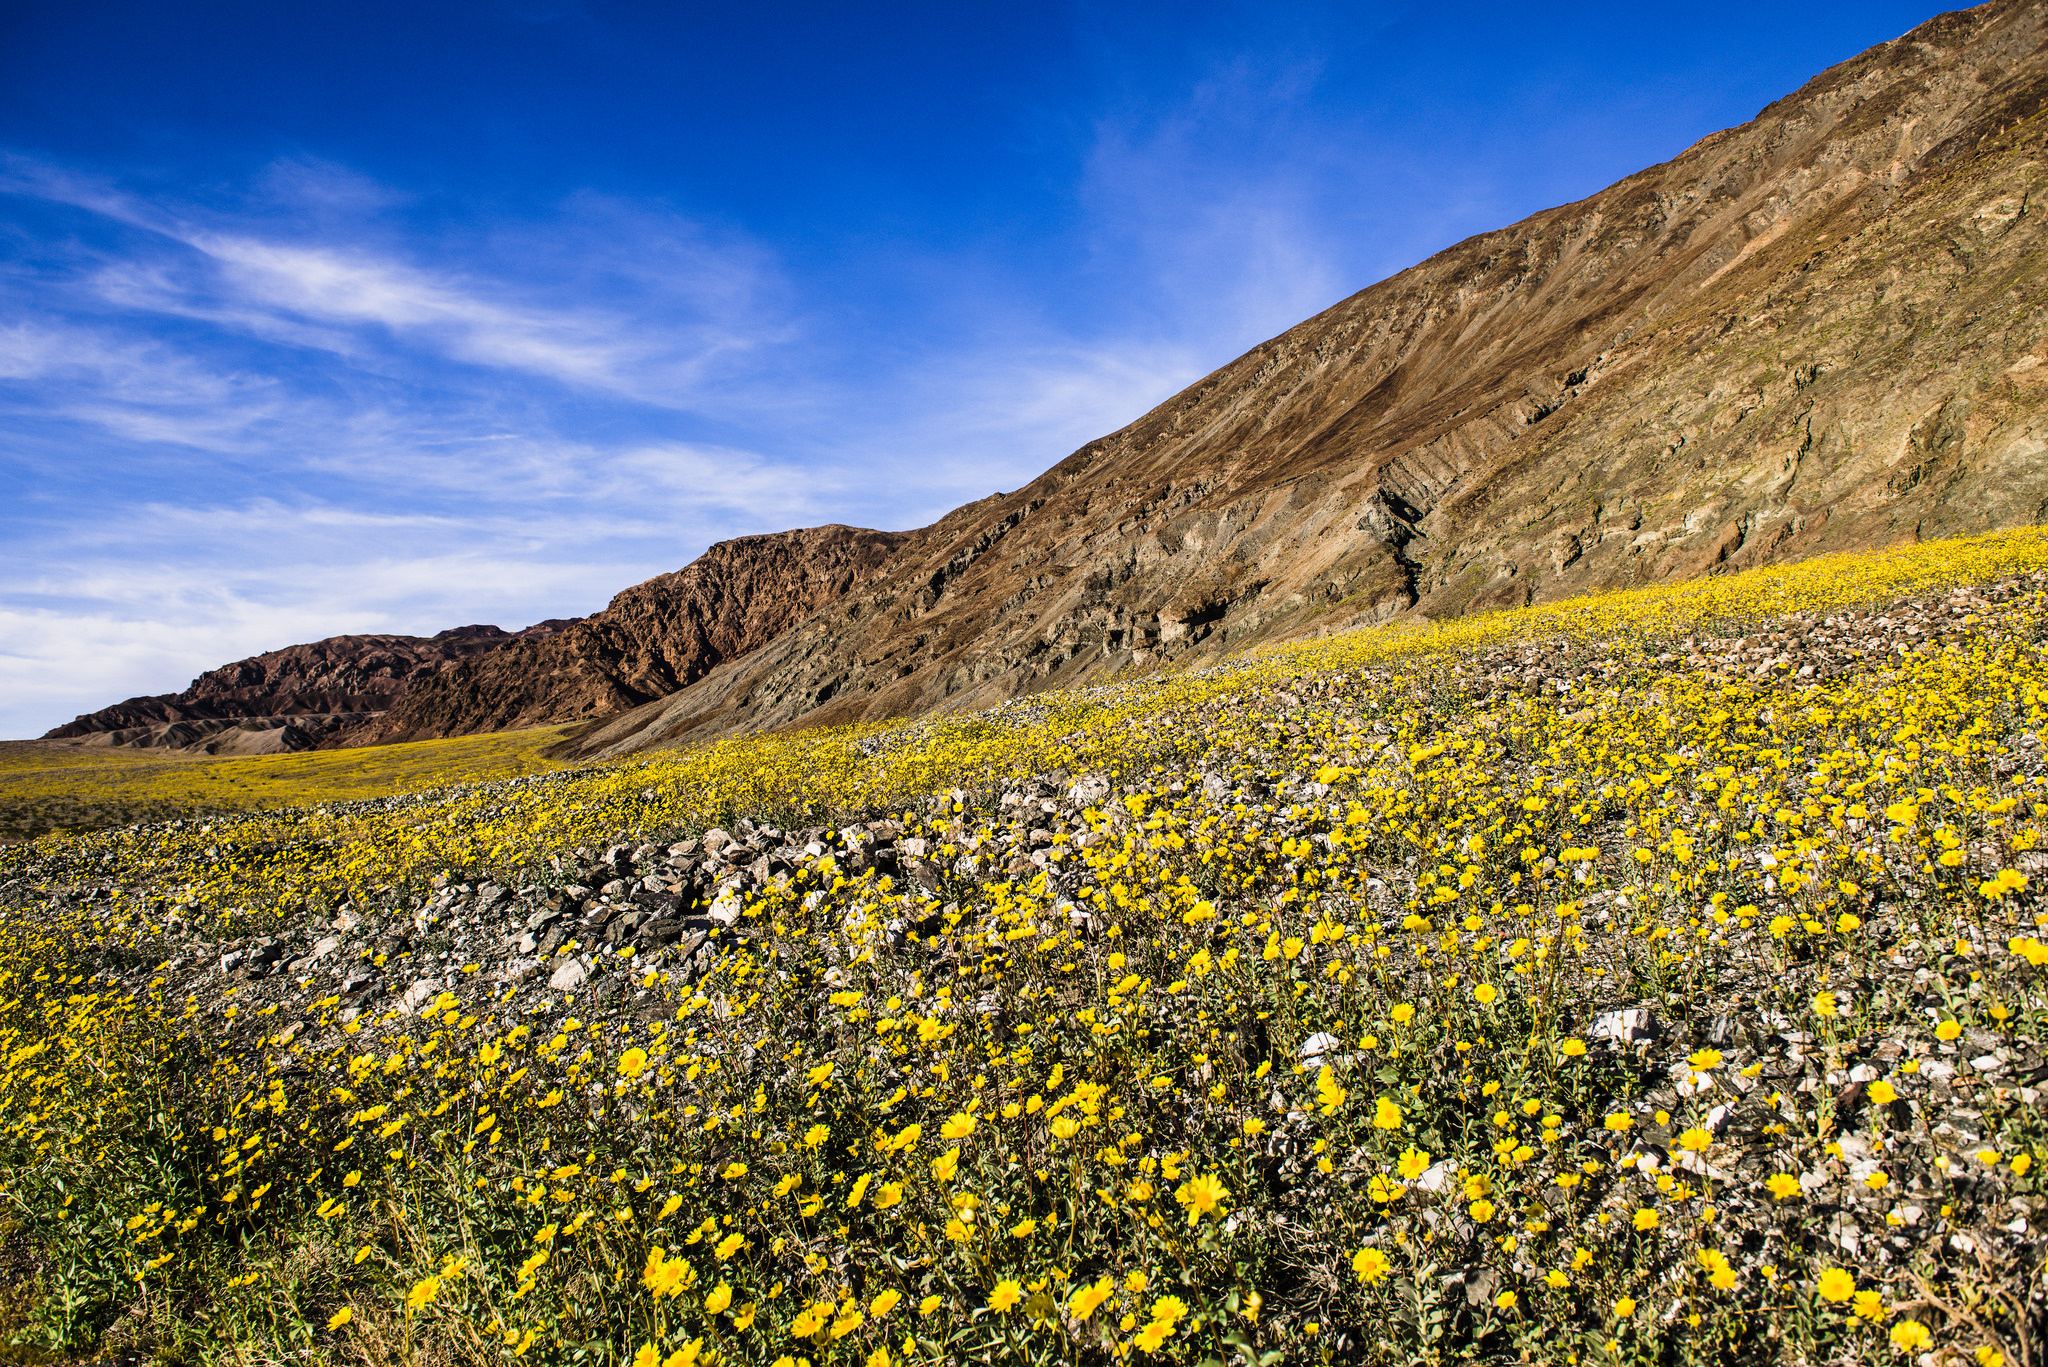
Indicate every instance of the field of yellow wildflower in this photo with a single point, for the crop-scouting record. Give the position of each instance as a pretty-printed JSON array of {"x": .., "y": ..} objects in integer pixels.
[
  {"x": 1651, "y": 978},
  {"x": 59, "y": 787}
]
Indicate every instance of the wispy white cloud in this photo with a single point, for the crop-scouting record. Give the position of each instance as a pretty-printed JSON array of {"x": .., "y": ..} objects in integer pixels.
[
  {"x": 1220, "y": 199},
  {"x": 624, "y": 299},
  {"x": 312, "y": 421},
  {"x": 133, "y": 387},
  {"x": 457, "y": 317}
]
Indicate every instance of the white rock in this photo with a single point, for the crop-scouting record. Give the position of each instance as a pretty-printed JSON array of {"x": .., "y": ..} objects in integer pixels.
[
  {"x": 1624, "y": 1027},
  {"x": 1318, "y": 1044},
  {"x": 569, "y": 976},
  {"x": 1689, "y": 1081},
  {"x": 1697, "y": 1164},
  {"x": 419, "y": 994},
  {"x": 1089, "y": 790}
]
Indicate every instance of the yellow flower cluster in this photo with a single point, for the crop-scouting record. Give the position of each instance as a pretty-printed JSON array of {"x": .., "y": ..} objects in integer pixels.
[{"x": 1322, "y": 993}]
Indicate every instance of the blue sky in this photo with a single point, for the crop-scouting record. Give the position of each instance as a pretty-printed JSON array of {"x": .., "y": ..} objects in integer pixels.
[{"x": 360, "y": 316}]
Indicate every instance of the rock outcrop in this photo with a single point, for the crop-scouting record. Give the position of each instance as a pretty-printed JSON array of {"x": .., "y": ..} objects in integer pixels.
[
  {"x": 653, "y": 639},
  {"x": 1824, "y": 329},
  {"x": 291, "y": 699}
]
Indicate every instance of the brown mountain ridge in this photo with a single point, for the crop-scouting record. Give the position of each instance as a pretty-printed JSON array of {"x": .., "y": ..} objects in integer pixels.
[
  {"x": 292, "y": 699},
  {"x": 651, "y": 640},
  {"x": 1821, "y": 330}
]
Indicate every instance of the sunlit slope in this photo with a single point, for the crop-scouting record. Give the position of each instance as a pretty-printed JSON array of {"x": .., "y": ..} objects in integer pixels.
[{"x": 54, "y": 787}]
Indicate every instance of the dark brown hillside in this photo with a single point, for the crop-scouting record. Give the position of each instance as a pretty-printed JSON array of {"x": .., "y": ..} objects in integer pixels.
[
  {"x": 653, "y": 639},
  {"x": 1824, "y": 329},
  {"x": 320, "y": 688}
]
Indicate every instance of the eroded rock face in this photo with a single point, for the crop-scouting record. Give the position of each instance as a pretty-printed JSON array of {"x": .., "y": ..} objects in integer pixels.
[
  {"x": 290, "y": 699},
  {"x": 653, "y": 639},
  {"x": 1822, "y": 330}
]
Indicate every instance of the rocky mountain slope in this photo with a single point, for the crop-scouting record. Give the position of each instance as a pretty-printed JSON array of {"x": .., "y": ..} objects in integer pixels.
[
  {"x": 290, "y": 699},
  {"x": 1823, "y": 329},
  {"x": 653, "y": 639}
]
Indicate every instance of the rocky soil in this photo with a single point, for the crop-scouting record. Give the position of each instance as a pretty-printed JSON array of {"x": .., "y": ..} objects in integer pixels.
[
  {"x": 557, "y": 947},
  {"x": 1248, "y": 922}
]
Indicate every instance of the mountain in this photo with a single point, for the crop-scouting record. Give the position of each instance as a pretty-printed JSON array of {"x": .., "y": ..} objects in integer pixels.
[
  {"x": 653, "y": 639},
  {"x": 291, "y": 699},
  {"x": 1826, "y": 329},
  {"x": 1821, "y": 330}
]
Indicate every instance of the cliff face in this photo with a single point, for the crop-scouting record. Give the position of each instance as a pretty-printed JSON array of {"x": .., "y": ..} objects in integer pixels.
[
  {"x": 1821, "y": 330},
  {"x": 341, "y": 676},
  {"x": 653, "y": 639}
]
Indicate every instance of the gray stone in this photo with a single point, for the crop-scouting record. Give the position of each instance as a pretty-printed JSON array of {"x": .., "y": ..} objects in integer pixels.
[
  {"x": 1632, "y": 1025},
  {"x": 1089, "y": 791},
  {"x": 1315, "y": 1046},
  {"x": 420, "y": 993}
]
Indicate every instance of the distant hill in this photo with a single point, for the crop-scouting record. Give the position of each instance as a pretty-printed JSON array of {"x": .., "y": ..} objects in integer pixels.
[
  {"x": 290, "y": 699},
  {"x": 654, "y": 638}
]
